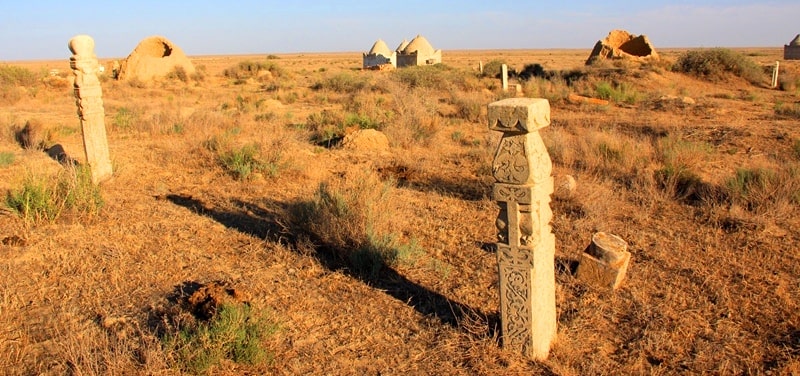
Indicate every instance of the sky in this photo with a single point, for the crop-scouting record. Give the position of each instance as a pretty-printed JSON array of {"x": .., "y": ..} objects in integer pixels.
[{"x": 39, "y": 30}]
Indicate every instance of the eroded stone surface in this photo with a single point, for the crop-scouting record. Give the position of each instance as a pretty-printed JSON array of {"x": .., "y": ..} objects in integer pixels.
[
  {"x": 604, "y": 262},
  {"x": 88, "y": 97},
  {"x": 526, "y": 244}
]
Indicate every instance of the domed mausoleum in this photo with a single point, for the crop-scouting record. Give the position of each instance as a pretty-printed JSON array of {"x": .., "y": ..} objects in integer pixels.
[
  {"x": 418, "y": 52},
  {"x": 379, "y": 55},
  {"x": 791, "y": 51}
]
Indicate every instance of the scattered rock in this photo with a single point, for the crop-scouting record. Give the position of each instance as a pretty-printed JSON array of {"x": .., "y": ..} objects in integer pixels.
[
  {"x": 366, "y": 139},
  {"x": 565, "y": 186},
  {"x": 205, "y": 302}
]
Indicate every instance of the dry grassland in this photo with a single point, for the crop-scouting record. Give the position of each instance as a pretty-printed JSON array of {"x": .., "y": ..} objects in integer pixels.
[{"x": 218, "y": 178}]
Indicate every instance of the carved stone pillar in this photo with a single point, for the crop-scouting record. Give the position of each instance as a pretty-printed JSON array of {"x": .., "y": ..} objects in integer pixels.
[
  {"x": 88, "y": 97},
  {"x": 526, "y": 244}
]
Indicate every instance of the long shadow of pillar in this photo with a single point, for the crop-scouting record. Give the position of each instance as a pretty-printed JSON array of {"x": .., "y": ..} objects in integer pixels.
[{"x": 264, "y": 223}]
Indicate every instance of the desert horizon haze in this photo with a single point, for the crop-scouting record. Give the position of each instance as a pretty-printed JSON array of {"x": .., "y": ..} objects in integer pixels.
[{"x": 40, "y": 30}]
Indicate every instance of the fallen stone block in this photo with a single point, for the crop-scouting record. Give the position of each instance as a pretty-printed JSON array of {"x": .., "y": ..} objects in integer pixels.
[{"x": 604, "y": 262}]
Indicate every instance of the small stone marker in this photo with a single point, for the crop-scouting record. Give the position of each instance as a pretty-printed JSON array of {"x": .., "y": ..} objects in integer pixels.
[
  {"x": 526, "y": 244},
  {"x": 88, "y": 97},
  {"x": 775, "y": 74},
  {"x": 480, "y": 66},
  {"x": 505, "y": 77},
  {"x": 604, "y": 262}
]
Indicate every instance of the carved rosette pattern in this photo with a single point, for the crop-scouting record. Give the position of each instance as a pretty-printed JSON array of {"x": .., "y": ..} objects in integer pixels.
[
  {"x": 522, "y": 170},
  {"x": 89, "y": 100}
]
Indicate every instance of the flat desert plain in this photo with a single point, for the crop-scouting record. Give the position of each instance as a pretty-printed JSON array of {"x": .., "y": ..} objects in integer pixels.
[{"x": 376, "y": 256}]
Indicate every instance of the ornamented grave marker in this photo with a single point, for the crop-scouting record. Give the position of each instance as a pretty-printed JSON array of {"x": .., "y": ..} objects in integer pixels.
[
  {"x": 526, "y": 244},
  {"x": 88, "y": 97}
]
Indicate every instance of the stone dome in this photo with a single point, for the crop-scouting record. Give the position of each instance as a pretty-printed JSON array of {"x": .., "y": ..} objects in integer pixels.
[
  {"x": 402, "y": 45},
  {"x": 380, "y": 48},
  {"x": 420, "y": 45}
]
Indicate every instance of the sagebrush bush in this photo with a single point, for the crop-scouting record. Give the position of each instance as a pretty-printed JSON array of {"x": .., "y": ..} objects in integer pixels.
[
  {"x": 349, "y": 221},
  {"x": 717, "y": 64},
  {"x": 764, "y": 190},
  {"x": 493, "y": 68},
  {"x": 43, "y": 199},
  {"x": 342, "y": 83},
  {"x": 251, "y": 69},
  {"x": 619, "y": 93},
  {"x": 236, "y": 333},
  {"x": 6, "y": 158},
  {"x": 245, "y": 161}
]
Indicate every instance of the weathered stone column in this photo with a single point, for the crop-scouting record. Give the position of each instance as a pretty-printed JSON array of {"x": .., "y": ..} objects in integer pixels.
[
  {"x": 526, "y": 244},
  {"x": 88, "y": 97},
  {"x": 504, "y": 73}
]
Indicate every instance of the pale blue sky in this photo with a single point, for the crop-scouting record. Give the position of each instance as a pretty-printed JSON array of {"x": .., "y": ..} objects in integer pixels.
[{"x": 40, "y": 29}]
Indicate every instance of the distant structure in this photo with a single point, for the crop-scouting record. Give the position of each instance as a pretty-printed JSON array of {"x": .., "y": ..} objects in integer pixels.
[
  {"x": 379, "y": 56},
  {"x": 791, "y": 51},
  {"x": 417, "y": 52},
  {"x": 154, "y": 57},
  {"x": 620, "y": 44}
]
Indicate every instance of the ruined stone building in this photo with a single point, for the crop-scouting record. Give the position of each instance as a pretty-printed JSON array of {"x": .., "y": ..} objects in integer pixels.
[
  {"x": 791, "y": 51},
  {"x": 417, "y": 52},
  {"x": 154, "y": 57},
  {"x": 379, "y": 55}
]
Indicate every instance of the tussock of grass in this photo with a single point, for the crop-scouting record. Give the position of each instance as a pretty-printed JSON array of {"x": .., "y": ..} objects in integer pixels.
[
  {"x": 6, "y": 158},
  {"x": 236, "y": 333},
  {"x": 790, "y": 110},
  {"x": 348, "y": 219},
  {"x": 251, "y": 69},
  {"x": 620, "y": 93},
  {"x": 718, "y": 63},
  {"x": 764, "y": 190},
  {"x": 245, "y": 161},
  {"x": 342, "y": 83},
  {"x": 44, "y": 199}
]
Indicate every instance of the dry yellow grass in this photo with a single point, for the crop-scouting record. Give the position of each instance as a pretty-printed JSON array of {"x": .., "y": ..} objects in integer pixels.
[{"x": 713, "y": 288}]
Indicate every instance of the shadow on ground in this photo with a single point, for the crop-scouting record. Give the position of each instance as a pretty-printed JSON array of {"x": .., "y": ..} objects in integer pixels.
[{"x": 266, "y": 222}]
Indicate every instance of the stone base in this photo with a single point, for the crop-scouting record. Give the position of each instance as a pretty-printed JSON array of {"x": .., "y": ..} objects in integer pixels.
[{"x": 605, "y": 262}]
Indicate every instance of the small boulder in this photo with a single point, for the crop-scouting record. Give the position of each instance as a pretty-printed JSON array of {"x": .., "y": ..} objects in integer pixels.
[{"x": 366, "y": 139}]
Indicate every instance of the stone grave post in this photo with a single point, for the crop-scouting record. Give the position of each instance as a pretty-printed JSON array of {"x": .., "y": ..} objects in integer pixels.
[
  {"x": 504, "y": 69},
  {"x": 775, "y": 74},
  {"x": 88, "y": 97},
  {"x": 526, "y": 245}
]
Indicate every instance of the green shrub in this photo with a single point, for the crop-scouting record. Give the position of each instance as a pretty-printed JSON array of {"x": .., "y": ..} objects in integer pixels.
[
  {"x": 349, "y": 220},
  {"x": 6, "y": 158},
  {"x": 235, "y": 333},
  {"x": 791, "y": 110},
  {"x": 250, "y": 69},
  {"x": 42, "y": 199},
  {"x": 247, "y": 160},
  {"x": 125, "y": 118},
  {"x": 620, "y": 93},
  {"x": 438, "y": 77},
  {"x": 763, "y": 190},
  {"x": 179, "y": 73},
  {"x": 11, "y": 75},
  {"x": 493, "y": 68},
  {"x": 342, "y": 83},
  {"x": 718, "y": 63},
  {"x": 361, "y": 121}
]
